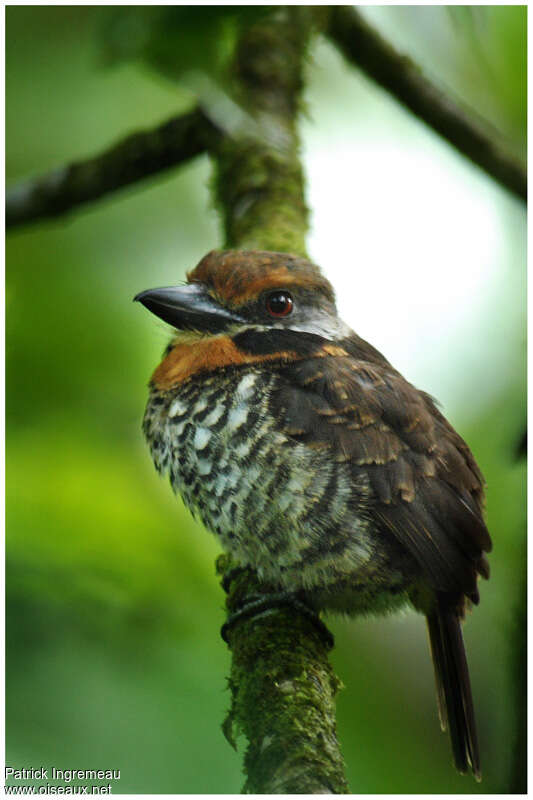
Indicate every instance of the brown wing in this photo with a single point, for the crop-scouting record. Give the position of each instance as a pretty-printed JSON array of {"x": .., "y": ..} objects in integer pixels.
[{"x": 426, "y": 486}]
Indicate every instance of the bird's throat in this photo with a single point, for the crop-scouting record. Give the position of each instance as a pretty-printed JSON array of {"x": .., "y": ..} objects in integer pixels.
[
  {"x": 206, "y": 354},
  {"x": 194, "y": 354}
]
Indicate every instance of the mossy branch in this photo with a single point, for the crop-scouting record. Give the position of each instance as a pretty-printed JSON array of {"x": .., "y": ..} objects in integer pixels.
[
  {"x": 130, "y": 160},
  {"x": 282, "y": 697},
  {"x": 282, "y": 685},
  {"x": 259, "y": 182}
]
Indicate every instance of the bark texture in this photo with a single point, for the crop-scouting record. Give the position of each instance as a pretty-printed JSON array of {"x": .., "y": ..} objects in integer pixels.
[
  {"x": 134, "y": 158},
  {"x": 259, "y": 183},
  {"x": 281, "y": 682},
  {"x": 282, "y": 698}
]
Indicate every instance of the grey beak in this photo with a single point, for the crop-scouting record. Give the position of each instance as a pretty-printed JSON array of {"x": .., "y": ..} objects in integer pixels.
[{"x": 189, "y": 307}]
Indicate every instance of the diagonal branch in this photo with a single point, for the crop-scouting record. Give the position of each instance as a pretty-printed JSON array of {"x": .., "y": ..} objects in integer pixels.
[
  {"x": 147, "y": 153},
  {"x": 134, "y": 158},
  {"x": 366, "y": 49}
]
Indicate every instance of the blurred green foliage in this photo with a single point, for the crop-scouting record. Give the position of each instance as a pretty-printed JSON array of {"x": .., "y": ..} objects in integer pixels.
[
  {"x": 113, "y": 609},
  {"x": 176, "y": 40}
]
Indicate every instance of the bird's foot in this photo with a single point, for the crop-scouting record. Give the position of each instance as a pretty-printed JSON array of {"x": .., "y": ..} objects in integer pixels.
[
  {"x": 257, "y": 605},
  {"x": 230, "y": 575}
]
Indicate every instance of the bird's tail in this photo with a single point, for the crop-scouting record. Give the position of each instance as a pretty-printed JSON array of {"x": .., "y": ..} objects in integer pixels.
[{"x": 454, "y": 694}]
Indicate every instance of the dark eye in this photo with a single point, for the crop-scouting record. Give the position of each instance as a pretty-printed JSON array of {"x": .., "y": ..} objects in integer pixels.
[{"x": 279, "y": 304}]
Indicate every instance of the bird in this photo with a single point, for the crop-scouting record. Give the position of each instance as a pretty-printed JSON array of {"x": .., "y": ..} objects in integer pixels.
[{"x": 314, "y": 461}]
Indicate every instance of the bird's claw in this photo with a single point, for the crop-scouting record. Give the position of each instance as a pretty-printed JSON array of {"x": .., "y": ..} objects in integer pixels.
[{"x": 260, "y": 604}]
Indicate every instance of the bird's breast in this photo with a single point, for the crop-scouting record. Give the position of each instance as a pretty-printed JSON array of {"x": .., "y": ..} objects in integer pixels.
[{"x": 290, "y": 511}]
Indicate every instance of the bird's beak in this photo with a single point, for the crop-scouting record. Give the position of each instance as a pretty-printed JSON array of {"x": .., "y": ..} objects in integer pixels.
[{"x": 189, "y": 307}]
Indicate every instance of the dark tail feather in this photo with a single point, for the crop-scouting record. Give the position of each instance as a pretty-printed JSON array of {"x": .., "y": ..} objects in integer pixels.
[{"x": 454, "y": 695}]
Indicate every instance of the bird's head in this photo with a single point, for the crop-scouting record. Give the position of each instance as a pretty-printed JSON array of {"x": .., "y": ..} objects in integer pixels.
[
  {"x": 232, "y": 291},
  {"x": 242, "y": 306}
]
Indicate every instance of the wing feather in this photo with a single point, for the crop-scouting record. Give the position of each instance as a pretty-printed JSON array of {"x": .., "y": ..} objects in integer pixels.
[{"x": 427, "y": 489}]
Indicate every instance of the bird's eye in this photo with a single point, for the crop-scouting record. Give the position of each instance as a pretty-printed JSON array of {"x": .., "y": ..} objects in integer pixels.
[{"x": 279, "y": 304}]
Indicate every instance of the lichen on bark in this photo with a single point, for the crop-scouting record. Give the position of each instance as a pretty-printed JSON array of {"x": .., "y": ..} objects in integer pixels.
[
  {"x": 282, "y": 697},
  {"x": 281, "y": 682},
  {"x": 259, "y": 184}
]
